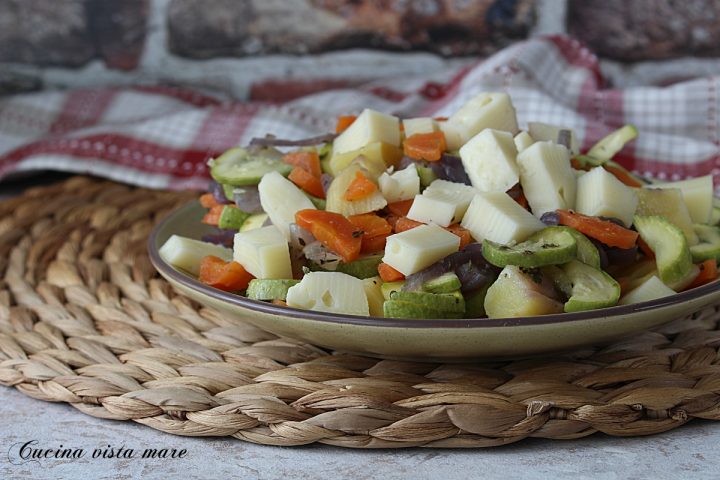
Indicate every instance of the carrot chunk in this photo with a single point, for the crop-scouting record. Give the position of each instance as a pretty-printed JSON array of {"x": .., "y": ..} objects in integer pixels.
[
  {"x": 623, "y": 175},
  {"x": 464, "y": 234},
  {"x": 400, "y": 208},
  {"x": 332, "y": 230},
  {"x": 343, "y": 122},
  {"x": 404, "y": 223},
  {"x": 228, "y": 276},
  {"x": 389, "y": 274},
  {"x": 373, "y": 244},
  {"x": 425, "y": 146},
  {"x": 207, "y": 200},
  {"x": 309, "y": 161},
  {"x": 370, "y": 224},
  {"x": 708, "y": 273},
  {"x": 605, "y": 231},
  {"x": 361, "y": 187},
  {"x": 213, "y": 216},
  {"x": 306, "y": 181}
]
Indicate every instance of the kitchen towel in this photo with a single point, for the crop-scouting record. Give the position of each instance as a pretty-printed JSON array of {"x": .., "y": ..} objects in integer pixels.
[{"x": 161, "y": 136}]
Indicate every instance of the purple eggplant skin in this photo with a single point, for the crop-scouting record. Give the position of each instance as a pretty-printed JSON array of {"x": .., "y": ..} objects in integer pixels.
[
  {"x": 218, "y": 193},
  {"x": 550, "y": 219},
  {"x": 271, "y": 141},
  {"x": 468, "y": 264},
  {"x": 223, "y": 237},
  {"x": 621, "y": 257},
  {"x": 450, "y": 168}
]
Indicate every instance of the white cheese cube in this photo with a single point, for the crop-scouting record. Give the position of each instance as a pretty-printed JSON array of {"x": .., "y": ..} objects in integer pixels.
[
  {"x": 187, "y": 253},
  {"x": 486, "y": 110},
  {"x": 547, "y": 178},
  {"x": 370, "y": 126},
  {"x": 412, "y": 250},
  {"x": 453, "y": 139},
  {"x": 427, "y": 209},
  {"x": 281, "y": 200},
  {"x": 698, "y": 195},
  {"x": 411, "y": 126},
  {"x": 549, "y": 133},
  {"x": 401, "y": 185},
  {"x": 264, "y": 252},
  {"x": 523, "y": 140},
  {"x": 489, "y": 160},
  {"x": 650, "y": 289},
  {"x": 497, "y": 217},
  {"x": 442, "y": 202},
  {"x": 329, "y": 292},
  {"x": 600, "y": 193}
]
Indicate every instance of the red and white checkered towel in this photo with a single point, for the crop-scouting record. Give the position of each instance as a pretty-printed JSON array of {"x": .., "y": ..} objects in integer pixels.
[{"x": 162, "y": 137}]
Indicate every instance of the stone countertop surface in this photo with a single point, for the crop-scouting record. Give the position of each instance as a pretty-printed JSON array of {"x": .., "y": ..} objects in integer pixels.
[{"x": 688, "y": 452}]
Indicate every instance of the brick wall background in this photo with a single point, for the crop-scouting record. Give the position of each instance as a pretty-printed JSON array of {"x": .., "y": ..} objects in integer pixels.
[{"x": 250, "y": 48}]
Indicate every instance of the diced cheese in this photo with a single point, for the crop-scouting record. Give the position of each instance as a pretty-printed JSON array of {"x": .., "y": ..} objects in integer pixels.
[
  {"x": 329, "y": 292},
  {"x": 373, "y": 291},
  {"x": 281, "y": 199},
  {"x": 546, "y": 177},
  {"x": 377, "y": 156},
  {"x": 401, "y": 185},
  {"x": 187, "y": 253},
  {"x": 442, "y": 202},
  {"x": 370, "y": 126},
  {"x": 523, "y": 140},
  {"x": 668, "y": 203},
  {"x": 545, "y": 132},
  {"x": 650, "y": 289},
  {"x": 412, "y": 250},
  {"x": 698, "y": 196},
  {"x": 496, "y": 216},
  {"x": 411, "y": 126},
  {"x": 335, "y": 198},
  {"x": 489, "y": 160},
  {"x": 453, "y": 139},
  {"x": 486, "y": 110},
  {"x": 600, "y": 193},
  {"x": 264, "y": 252}
]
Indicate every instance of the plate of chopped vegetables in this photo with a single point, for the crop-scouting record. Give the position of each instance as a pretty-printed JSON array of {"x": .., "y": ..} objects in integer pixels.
[{"x": 452, "y": 238}]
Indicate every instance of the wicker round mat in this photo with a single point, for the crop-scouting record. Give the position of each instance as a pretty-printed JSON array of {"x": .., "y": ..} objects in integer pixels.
[{"x": 84, "y": 319}]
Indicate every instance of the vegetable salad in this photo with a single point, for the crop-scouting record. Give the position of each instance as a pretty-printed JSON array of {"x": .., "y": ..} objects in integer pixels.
[{"x": 460, "y": 217}]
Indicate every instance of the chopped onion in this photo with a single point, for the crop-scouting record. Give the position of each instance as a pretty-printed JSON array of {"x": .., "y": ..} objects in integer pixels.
[
  {"x": 218, "y": 193},
  {"x": 272, "y": 141},
  {"x": 406, "y": 161},
  {"x": 450, "y": 168},
  {"x": 564, "y": 138},
  {"x": 247, "y": 199},
  {"x": 550, "y": 218},
  {"x": 300, "y": 237},
  {"x": 320, "y": 254},
  {"x": 223, "y": 237},
  {"x": 468, "y": 264},
  {"x": 326, "y": 179}
]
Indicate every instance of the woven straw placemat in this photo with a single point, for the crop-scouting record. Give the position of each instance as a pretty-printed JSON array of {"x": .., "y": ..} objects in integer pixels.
[{"x": 84, "y": 319}]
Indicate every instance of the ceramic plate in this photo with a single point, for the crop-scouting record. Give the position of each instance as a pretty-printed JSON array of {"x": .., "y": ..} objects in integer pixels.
[{"x": 425, "y": 339}]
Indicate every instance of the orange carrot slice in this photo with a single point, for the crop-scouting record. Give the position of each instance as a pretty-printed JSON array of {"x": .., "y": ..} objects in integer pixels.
[
  {"x": 361, "y": 187},
  {"x": 306, "y": 181},
  {"x": 425, "y": 146},
  {"x": 389, "y": 274},
  {"x": 332, "y": 230},
  {"x": 228, "y": 276},
  {"x": 605, "y": 231}
]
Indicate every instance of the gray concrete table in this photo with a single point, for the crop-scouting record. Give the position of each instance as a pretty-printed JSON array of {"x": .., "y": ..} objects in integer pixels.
[{"x": 690, "y": 451}]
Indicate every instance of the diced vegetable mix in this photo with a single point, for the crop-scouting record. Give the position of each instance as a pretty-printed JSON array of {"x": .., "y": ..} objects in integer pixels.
[{"x": 518, "y": 223}]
